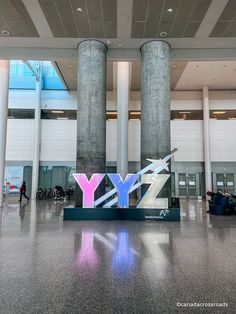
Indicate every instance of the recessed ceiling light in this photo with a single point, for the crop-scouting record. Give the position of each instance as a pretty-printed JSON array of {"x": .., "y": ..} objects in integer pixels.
[
  {"x": 5, "y": 33},
  {"x": 163, "y": 34},
  {"x": 79, "y": 10},
  {"x": 170, "y": 10}
]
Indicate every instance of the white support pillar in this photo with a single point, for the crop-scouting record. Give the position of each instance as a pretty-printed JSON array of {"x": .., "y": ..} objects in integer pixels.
[
  {"x": 122, "y": 117},
  {"x": 37, "y": 134},
  {"x": 4, "y": 87},
  {"x": 206, "y": 139}
]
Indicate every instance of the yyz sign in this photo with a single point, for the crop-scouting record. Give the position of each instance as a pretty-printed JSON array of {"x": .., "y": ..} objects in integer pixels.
[{"x": 124, "y": 187}]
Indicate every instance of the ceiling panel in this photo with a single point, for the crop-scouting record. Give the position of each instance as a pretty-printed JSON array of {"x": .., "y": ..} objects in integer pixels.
[
  {"x": 96, "y": 19},
  {"x": 176, "y": 70},
  {"x": 226, "y": 25},
  {"x": 178, "y": 18},
  {"x": 214, "y": 74},
  {"x": 184, "y": 75},
  {"x": 69, "y": 71},
  {"x": 14, "y": 19}
]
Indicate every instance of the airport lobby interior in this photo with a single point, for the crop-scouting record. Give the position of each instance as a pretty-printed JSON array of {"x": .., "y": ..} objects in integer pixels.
[{"x": 117, "y": 156}]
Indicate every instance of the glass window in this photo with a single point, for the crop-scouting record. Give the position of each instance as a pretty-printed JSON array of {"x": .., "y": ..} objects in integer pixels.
[
  {"x": 111, "y": 115},
  {"x": 50, "y": 77},
  {"x": 134, "y": 115},
  {"x": 28, "y": 178},
  {"x": 58, "y": 114},
  {"x": 50, "y": 176},
  {"x": 20, "y": 113},
  {"x": 186, "y": 115},
  {"x": 22, "y": 77},
  {"x": 175, "y": 115},
  {"x": 223, "y": 114}
]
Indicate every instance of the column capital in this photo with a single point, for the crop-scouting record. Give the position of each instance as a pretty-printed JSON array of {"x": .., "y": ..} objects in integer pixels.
[
  {"x": 155, "y": 40},
  {"x": 92, "y": 40}
]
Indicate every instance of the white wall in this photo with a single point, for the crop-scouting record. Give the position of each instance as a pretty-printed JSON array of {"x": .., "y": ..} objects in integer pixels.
[
  {"x": 223, "y": 134},
  {"x": 20, "y": 136},
  {"x": 58, "y": 140},
  {"x": 187, "y": 136},
  {"x": 111, "y": 140},
  {"x": 59, "y": 137}
]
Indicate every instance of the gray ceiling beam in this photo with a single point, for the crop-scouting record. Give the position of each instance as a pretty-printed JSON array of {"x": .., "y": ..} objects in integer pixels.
[
  {"x": 35, "y": 12},
  {"x": 126, "y": 43},
  {"x": 210, "y": 19},
  {"x": 34, "y": 9},
  {"x": 124, "y": 18},
  {"x": 59, "y": 54}
]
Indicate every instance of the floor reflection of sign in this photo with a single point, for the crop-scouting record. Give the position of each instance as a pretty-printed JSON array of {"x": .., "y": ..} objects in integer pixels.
[
  {"x": 87, "y": 256},
  {"x": 123, "y": 258},
  {"x": 13, "y": 179}
]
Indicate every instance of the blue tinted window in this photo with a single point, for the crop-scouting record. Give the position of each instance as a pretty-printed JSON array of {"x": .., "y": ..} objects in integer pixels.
[{"x": 21, "y": 76}]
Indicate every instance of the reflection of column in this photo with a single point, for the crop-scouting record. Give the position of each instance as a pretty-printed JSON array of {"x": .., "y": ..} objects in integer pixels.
[
  {"x": 122, "y": 117},
  {"x": 91, "y": 120},
  {"x": 37, "y": 134},
  {"x": 155, "y": 104},
  {"x": 33, "y": 219},
  {"x": 4, "y": 86},
  {"x": 206, "y": 139}
]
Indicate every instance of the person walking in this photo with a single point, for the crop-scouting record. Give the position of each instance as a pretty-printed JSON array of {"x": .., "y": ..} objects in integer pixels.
[{"x": 23, "y": 191}]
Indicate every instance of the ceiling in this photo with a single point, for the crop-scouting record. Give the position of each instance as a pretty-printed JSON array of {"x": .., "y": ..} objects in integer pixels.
[
  {"x": 217, "y": 75},
  {"x": 214, "y": 74},
  {"x": 124, "y": 25},
  {"x": 226, "y": 25},
  {"x": 15, "y": 19},
  {"x": 177, "y": 18},
  {"x": 96, "y": 19}
]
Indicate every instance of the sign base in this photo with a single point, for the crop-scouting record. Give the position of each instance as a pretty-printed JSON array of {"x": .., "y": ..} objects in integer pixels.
[{"x": 114, "y": 213}]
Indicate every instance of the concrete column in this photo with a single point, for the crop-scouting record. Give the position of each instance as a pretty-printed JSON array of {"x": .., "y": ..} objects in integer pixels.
[
  {"x": 91, "y": 119},
  {"x": 4, "y": 87},
  {"x": 155, "y": 104},
  {"x": 122, "y": 117},
  {"x": 37, "y": 134},
  {"x": 206, "y": 139}
]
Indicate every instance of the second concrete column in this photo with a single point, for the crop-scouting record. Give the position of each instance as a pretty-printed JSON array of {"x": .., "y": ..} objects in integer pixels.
[
  {"x": 155, "y": 104},
  {"x": 91, "y": 120}
]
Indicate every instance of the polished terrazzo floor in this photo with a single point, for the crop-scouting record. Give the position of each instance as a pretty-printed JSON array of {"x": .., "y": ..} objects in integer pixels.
[{"x": 51, "y": 266}]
